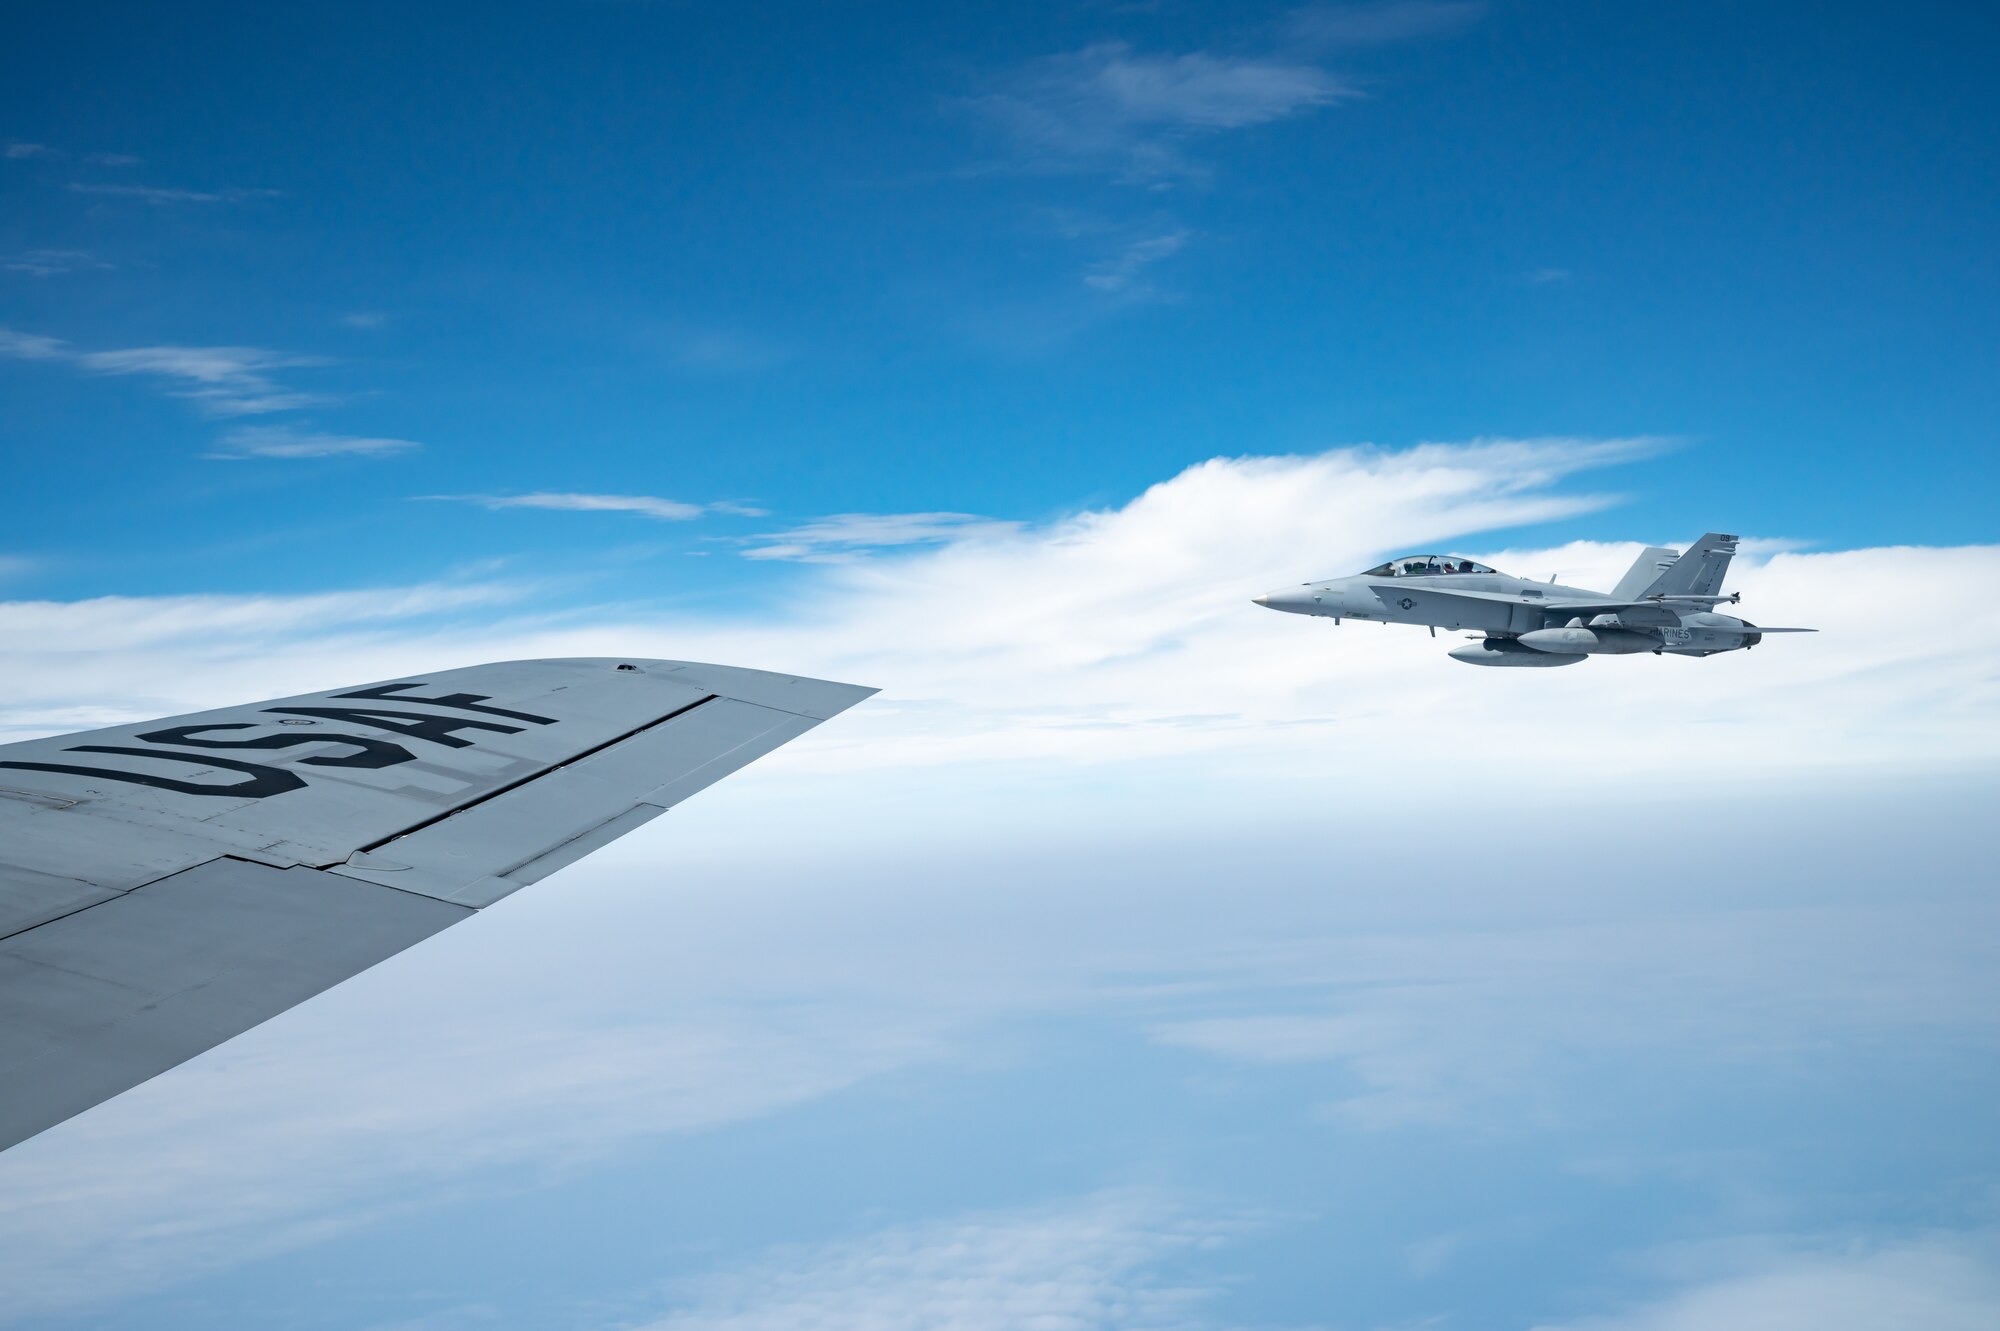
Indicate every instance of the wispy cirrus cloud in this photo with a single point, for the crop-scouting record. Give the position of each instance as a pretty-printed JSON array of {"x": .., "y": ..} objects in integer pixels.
[
  {"x": 278, "y": 441},
  {"x": 1112, "y": 109},
  {"x": 157, "y": 194},
  {"x": 52, "y": 263},
  {"x": 648, "y": 506},
  {"x": 1153, "y": 119},
  {"x": 32, "y": 346},
  {"x": 222, "y": 381},
  {"x": 18, "y": 151},
  {"x": 848, "y": 536},
  {"x": 1124, "y": 274},
  {"x": 124, "y": 623}
]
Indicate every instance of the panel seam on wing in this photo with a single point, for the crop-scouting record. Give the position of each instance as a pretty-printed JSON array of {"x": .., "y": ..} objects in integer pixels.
[{"x": 498, "y": 791}]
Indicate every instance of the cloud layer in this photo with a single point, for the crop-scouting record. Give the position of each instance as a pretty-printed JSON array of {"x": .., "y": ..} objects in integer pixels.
[
  {"x": 1942, "y": 1282},
  {"x": 1127, "y": 634},
  {"x": 845, "y": 537},
  {"x": 1082, "y": 1267},
  {"x": 1100, "y": 677}
]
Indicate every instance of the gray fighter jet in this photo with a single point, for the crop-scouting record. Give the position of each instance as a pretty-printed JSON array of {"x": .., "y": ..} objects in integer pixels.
[
  {"x": 1665, "y": 605},
  {"x": 167, "y": 885}
]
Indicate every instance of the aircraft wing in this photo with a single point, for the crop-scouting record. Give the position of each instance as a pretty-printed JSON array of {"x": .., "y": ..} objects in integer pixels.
[
  {"x": 1635, "y": 614},
  {"x": 1465, "y": 609},
  {"x": 167, "y": 885}
]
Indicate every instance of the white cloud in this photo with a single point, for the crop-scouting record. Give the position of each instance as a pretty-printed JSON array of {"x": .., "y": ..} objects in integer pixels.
[
  {"x": 1124, "y": 273},
  {"x": 651, "y": 506},
  {"x": 52, "y": 263},
  {"x": 1108, "y": 107},
  {"x": 123, "y": 623},
  {"x": 1138, "y": 117},
  {"x": 1933, "y": 1283},
  {"x": 223, "y": 381},
  {"x": 22, "y": 151},
  {"x": 1127, "y": 635},
  {"x": 227, "y": 381},
  {"x": 846, "y": 536},
  {"x": 1083, "y": 1267},
  {"x": 154, "y": 194},
  {"x": 31, "y": 346},
  {"x": 277, "y": 441},
  {"x": 214, "y": 639}
]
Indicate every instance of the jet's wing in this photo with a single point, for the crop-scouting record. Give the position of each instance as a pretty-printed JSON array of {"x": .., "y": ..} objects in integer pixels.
[
  {"x": 167, "y": 885},
  {"x": 1456, "y": 607}
]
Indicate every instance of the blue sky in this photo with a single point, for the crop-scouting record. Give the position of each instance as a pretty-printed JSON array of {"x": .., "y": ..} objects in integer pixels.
[
  {"x": 875, "y": 258},
  {"x": 1136, "y": 959}
]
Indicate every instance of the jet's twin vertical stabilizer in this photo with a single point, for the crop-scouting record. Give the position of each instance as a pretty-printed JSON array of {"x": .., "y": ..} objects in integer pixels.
[
  {"x": 1646, "y": 570},
  {"x": 1699, "y": 572}
]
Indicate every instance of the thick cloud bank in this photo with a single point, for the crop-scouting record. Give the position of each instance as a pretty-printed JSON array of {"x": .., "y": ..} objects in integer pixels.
[{"x": 1127, "y": 634}]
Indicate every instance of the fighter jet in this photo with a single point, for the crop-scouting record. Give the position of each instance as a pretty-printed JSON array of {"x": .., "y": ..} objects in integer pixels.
[{"x": 1665, "y": 605}]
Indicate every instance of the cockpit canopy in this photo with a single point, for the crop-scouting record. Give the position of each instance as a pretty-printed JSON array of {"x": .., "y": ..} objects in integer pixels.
[{"x": 1419, "y": 566}]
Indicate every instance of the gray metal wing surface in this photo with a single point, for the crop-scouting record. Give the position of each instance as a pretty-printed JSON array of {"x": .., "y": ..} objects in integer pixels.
[{"x": 167, "y": 885}]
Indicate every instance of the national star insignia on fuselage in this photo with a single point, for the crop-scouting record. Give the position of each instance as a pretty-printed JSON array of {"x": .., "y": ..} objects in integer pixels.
[{"x": 1665, "y": 605}]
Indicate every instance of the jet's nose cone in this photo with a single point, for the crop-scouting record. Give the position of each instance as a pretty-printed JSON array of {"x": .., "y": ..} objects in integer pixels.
[{"x": 1298, "y": 600}]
